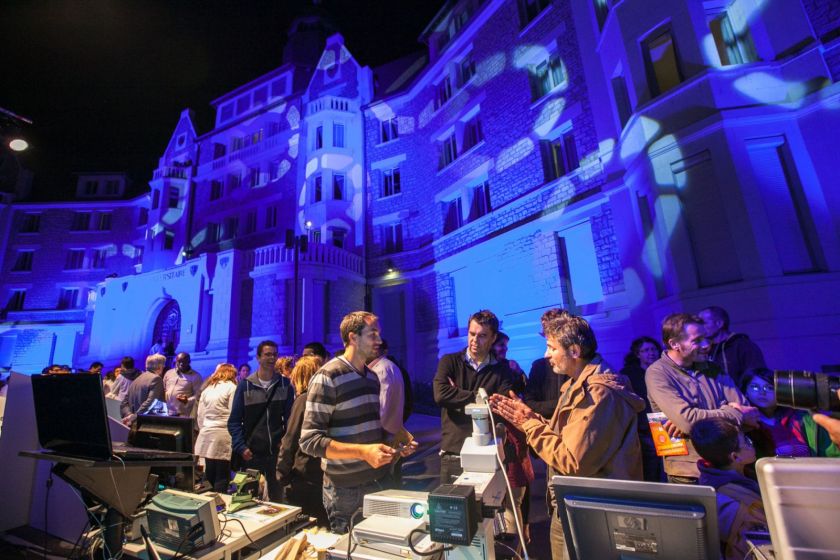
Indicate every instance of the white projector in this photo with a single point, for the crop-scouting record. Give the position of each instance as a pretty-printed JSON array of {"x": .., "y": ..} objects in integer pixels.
[{"x": 397, "y": 503}]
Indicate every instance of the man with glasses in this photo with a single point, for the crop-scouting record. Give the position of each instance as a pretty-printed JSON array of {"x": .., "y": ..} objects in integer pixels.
[
  {"x": 686, "y": 388},
  {"x": 258, "y": 417}
]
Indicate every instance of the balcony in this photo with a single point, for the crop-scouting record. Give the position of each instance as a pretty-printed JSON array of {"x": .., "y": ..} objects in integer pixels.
[
  {"x": 168, "y": 172},
  {"x": 330, "y": 103},
  {"x": 316, "y": 254}
]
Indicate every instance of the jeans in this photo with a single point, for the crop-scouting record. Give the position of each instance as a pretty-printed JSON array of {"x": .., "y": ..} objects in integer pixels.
[
  {"x": 342, "y": 502},
  {"x": 557, "y": 539}
]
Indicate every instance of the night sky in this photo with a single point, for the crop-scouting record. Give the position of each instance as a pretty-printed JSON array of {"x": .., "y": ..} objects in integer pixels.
[{"x": 105, "y": 80}]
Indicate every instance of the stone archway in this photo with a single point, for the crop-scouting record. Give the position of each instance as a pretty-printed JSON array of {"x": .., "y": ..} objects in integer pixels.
[{"x": 168, "y": 325}]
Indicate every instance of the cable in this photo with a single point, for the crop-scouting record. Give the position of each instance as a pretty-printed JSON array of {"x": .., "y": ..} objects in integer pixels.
[
  {"x": 443, "y": 548},
  {"x": 46, "y": 511},
  {"x": 513, "y": 506},
  {"x": 350, "y": 533},
  {"x": 510, "y": 549}
]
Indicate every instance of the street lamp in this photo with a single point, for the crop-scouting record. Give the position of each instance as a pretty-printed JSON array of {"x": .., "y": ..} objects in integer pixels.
[{"x": 299, "y": 243}]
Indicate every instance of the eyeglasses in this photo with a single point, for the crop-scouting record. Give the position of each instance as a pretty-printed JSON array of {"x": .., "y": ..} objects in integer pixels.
[{"x": 760, "y": 388}]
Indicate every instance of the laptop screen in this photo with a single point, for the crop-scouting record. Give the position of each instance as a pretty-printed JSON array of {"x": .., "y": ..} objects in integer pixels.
[{"x": 71, "y": 417}]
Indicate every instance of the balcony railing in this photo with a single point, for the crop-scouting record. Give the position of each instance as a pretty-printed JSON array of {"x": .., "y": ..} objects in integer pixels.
[
  {"x": 170, "y": 173},
  {"x": 330, "y": 103},
  {"x": 317, "y": 253}
]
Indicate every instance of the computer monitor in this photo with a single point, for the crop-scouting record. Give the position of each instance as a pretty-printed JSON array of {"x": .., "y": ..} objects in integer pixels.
[
  {"x": 617, "y": 519},
  {"x": 802, "y": 501},
  {"x": 168, "y": 433}
]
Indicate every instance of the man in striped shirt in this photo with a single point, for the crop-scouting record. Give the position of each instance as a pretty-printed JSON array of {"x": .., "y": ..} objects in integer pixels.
[{"x": 342, "y": 423}]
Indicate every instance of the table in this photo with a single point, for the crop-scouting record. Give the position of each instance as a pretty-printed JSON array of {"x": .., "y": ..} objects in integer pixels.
[{"x": 266, "y": 531}]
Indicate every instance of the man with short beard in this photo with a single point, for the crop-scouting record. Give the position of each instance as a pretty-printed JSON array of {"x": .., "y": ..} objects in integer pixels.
[
  {"x": 592, "y": 432},
  {"x": 686, "y": 388}
]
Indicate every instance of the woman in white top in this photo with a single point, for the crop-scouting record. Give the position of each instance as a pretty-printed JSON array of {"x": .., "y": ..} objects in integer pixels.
[{"x": 213, "y": 442}]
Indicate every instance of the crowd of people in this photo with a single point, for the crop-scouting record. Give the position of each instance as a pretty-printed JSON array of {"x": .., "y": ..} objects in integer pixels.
[{"x": 324, "y": 432}]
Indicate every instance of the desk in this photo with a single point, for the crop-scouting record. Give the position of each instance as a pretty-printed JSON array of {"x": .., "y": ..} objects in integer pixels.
[{"x": 264, "y": 530}]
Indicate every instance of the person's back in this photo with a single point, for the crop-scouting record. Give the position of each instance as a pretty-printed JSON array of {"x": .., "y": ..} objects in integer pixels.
[{"x": 725, "y": 451}]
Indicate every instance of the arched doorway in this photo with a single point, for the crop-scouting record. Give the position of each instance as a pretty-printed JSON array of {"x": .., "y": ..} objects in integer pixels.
[{"x": 168, "y": 327}]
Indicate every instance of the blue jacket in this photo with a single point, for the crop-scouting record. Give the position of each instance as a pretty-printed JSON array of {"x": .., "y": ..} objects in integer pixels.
[{"x": 247, "y": 417}]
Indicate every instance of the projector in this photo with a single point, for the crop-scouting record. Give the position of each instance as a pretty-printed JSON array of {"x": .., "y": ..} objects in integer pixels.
[{"x": 397, "y": 503}]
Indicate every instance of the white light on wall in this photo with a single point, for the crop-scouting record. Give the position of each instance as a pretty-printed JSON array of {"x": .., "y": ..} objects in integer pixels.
[{"x": 19, "y": 144}]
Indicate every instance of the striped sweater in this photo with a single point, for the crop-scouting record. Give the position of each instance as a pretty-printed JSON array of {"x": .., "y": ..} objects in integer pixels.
[{"x": 342, "y": 405}]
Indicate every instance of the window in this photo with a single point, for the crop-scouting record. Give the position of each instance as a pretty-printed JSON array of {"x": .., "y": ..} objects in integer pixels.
[
  {"x": 112, "y": 187},
  {"x": 271, "y": 217},
  {"x": 622, "y": 99},
  {"x": 480, "y": 204},
  {"x": 81, "y": 221},
  {"x": 256, "y": 137},
  {"x": 559, "y": 156},
  {"x": 443, "y": 93},
  {"x": 530, "y": 9},
  {"x": 319, "y": 137},
  {"x": 392, "y": 237},
  {"x": 275, "y": 170},
  {"x": 90, "y": 188},
  {"x": 466, "y": 70},
  {"x": 338, "y": 135},
  {"x": 31, "y": 223},
  {"x": 168, "y": 240},
  {"x": 472, "y": 134},
  {"x": 315, "y": 236},
  {"x": 215, "y": 189},
  {"x": 546, "y": 76},
  {"x": 143, "y": 217},
  {"x": 391, "y": 182},
  {"x": 16, "y": 299},
  {"x": 452, "y": 216},
  {"x": 338, "y": 236},
  {"x": 448, "y": 151},
  {"x": 75, "y": 259},
  {"x": 661, "y": 62},
  {"x": 388, "y": 130},
  {"x": 251, "y": 222},
  {"x": 338, "y": 186},
  {"x": 68, "y": 298},
  {"x": 317, "y": 189},
  {"x": 234, "y": 180},
  {"x": 734, "y": 47},
  {"x": 23, "y": 262},
  {"x": 98, "y": 257},
  {"x": 103, "y": 221},
  {"x": 213, "y": 232},
  {"x": 602, "y": 9},
  {"x": 231, "y": 227},
  {"x": 138, "y": 255},
  {"x": 174, "y": 197},
  {"x": 155, "y": 199},
  {"x": 254, "y": 177},
  {"x": 218, "y": 150}
]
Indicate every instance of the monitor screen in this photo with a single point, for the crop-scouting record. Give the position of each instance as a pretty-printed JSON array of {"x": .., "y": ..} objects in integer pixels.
[
  {"x": 168, "y": 433},
  {"x": 70, "y": 415},
  {"x": 616, "y": 519}
]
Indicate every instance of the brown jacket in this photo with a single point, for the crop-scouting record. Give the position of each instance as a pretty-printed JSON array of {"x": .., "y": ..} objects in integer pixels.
[{"x": 593, "y": 429}]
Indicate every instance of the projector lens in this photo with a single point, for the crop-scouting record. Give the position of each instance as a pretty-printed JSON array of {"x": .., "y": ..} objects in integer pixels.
[{"x": 417, "y": 511}]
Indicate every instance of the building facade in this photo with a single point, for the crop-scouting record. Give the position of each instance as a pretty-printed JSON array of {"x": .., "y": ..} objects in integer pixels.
[{"x": 623, "y": 160}]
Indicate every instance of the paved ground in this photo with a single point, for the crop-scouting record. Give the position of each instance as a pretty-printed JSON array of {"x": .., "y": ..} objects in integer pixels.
[{"x": 421, "y": 473}]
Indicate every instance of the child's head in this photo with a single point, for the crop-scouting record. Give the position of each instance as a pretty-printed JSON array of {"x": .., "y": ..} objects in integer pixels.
[{"x": 720, "y": 442}]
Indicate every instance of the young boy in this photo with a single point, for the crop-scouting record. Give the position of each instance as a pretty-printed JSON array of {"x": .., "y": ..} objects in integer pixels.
[{"x": 725, "y": 451}]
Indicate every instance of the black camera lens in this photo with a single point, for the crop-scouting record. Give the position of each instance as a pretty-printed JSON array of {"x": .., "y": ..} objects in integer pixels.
[{"x": 807, "y": 390}]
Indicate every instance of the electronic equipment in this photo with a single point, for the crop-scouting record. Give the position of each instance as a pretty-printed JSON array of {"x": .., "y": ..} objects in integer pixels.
[
  {"x": 802, "y": 501},
  {"x": 453, "y": 514},
  {"x": 615, "y": 519},
  {"x": 807, "y": 390},
  {"x": 181, "y": 521},
  {"x": 60, "y": 398},
  {"x": 389, "y": 533},
  {"x": 478, "y": 453},
  {"x": 170, "y": 434},
  {"x": 246, "y": 484},
  {"x": 397, "y": 503}
]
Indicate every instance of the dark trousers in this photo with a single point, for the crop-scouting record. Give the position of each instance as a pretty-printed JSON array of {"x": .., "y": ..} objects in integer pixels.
[
  {"x": 217, "y": 472},
  {"x": 652, "y": 465},
  {"x": 267, "y": 465},
  {"x": 674, "y": 479},
  {"x": 308, "y": 496},
  {"x": 450, "y": 468}
]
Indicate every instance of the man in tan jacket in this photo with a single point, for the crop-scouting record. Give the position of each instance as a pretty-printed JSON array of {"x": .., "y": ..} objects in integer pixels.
[{"x": 593, "y": 429}]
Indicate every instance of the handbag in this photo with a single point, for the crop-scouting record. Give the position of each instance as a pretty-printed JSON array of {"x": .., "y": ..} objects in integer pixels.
[{"x": 236, "y": 459}]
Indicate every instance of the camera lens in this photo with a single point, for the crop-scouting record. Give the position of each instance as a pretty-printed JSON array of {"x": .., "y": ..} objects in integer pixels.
[{"x": 807, "y": 390}]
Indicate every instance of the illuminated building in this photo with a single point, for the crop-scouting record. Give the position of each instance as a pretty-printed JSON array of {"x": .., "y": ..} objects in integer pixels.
[{"x": 620, "y": 159}]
